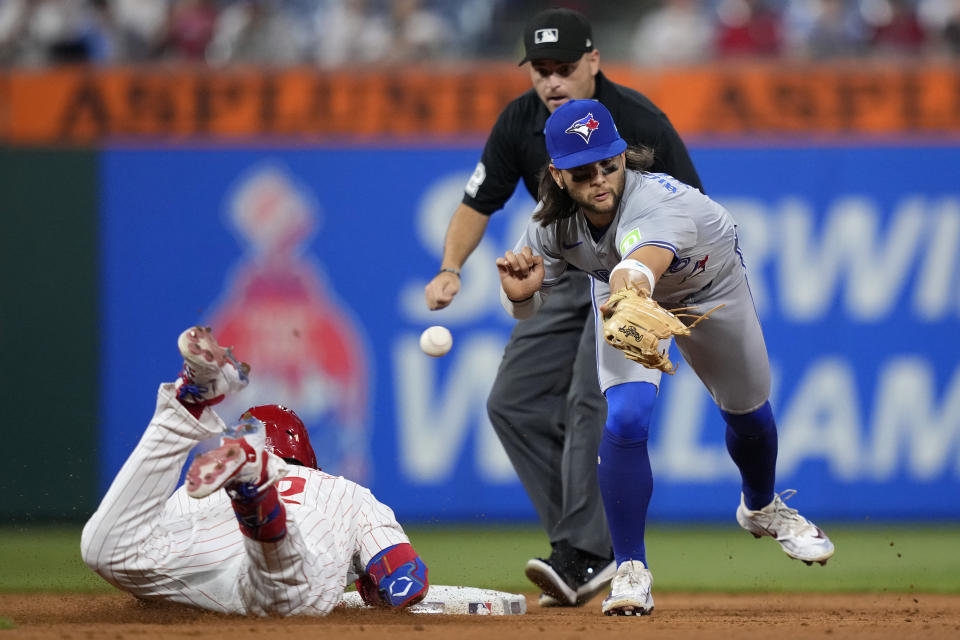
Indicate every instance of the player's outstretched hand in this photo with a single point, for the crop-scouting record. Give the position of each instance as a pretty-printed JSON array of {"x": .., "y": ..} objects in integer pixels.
[
  {"x": 521, "y": 274},
  {"x": 440, "y": 291}
]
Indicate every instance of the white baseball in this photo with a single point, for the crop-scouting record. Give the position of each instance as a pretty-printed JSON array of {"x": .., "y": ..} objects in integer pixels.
[{"x": 436, "y": 341}]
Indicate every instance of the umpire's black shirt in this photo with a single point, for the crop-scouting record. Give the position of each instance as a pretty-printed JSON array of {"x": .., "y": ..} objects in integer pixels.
[{"x": 516, "y": 147}]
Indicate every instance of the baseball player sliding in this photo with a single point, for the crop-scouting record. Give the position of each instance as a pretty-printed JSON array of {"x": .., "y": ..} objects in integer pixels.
[
  {"x": 257, "y": 528},
  {"x": 657, "y": 244}
]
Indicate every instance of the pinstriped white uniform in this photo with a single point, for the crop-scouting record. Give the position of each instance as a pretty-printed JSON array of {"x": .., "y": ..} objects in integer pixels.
[
  {"x": 149, "y": 538},
  {"x": 727, "y": 351}
]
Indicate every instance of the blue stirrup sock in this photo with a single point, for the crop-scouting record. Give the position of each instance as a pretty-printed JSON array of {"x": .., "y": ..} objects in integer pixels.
[
  {"x": 623, "y": 467},
  {"x": 752, "y": 444}
]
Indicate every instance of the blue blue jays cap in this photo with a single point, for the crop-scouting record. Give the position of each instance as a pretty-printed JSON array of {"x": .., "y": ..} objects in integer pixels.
[{"x": 580, "y": 132}]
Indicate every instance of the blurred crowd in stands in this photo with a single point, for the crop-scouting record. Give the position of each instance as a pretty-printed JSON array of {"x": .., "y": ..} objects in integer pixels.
[{"x": 329, "y": 33}]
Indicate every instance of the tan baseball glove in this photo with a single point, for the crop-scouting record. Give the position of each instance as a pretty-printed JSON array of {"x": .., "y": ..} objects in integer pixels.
[{"x": 635, "y": 324}]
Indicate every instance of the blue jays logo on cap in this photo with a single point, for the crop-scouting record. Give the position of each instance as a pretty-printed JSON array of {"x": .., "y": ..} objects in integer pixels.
[
  {"x": 596, "y": 136},
  {"x": 584, "y": 127}
]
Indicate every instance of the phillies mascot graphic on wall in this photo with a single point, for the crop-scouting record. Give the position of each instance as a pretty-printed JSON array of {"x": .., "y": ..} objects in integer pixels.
[{"x": 280, "y": 313}]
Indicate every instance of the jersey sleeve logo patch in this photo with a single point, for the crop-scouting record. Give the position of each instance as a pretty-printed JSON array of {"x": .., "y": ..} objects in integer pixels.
[
  {"x": 473, "y": 184},
  {"x": 629, "y": 241},
  {"x": 584, "y": 127}
]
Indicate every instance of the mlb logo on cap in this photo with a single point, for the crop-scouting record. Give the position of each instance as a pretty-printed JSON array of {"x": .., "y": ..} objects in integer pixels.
[
  {"x": 546, "y": 35},
  {"x": 580, "y": 132}
]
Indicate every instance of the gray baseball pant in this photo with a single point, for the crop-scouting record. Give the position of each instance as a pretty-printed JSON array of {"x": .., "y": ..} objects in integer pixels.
[{"x": 547, "y": 410}]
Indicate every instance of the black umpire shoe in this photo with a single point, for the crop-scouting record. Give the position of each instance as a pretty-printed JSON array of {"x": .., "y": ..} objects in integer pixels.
[{"x": 570, "y": 577}]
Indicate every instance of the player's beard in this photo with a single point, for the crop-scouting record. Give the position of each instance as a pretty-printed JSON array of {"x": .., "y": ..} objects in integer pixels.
[{"x": 612, "y": 205}]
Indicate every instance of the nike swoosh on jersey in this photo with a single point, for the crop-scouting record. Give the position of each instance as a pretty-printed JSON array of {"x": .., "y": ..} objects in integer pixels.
[{"x": 571, "y": 246}]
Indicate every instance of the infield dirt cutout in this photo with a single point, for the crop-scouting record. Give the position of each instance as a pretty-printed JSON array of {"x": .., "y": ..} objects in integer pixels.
[{"x": 118, "y": 616}]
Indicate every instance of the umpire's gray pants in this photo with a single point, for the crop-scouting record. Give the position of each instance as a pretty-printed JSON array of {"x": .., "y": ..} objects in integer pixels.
[{"x": 548, "y": 412}]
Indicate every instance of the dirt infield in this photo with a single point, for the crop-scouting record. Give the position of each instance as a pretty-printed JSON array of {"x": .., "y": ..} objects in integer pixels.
[{"x": 120, "y": 617}]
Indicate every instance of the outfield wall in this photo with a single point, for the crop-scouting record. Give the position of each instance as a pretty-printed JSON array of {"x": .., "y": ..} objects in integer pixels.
[
  {"x": 49, "y": 356},
  {"x": 311, "y": 256},
  {"x": 85, "y": 105},
  {"x": 313, "y": 262}
]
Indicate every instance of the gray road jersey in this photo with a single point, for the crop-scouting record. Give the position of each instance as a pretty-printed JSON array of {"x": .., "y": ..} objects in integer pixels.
[
  {"x": 727, "y": 351},
  {"x": 656, "y": 209}
]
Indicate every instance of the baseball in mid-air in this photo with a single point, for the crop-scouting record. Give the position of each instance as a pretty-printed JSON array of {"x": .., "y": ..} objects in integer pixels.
[{"x": 436, "y": 341}]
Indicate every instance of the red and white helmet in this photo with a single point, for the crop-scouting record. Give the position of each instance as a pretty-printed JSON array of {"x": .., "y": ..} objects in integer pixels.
[{"x": 286, "y": 435}]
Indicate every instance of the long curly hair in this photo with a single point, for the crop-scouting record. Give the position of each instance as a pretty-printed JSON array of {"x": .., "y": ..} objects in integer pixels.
[{"x": 557, "y": 203}]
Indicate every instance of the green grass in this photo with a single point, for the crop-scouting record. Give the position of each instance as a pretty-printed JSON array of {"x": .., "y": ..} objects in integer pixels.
[
  {"x": 45, "y": 559},
  {"x": 869, "y": 559},
  {"x": 723, "y": 558}
]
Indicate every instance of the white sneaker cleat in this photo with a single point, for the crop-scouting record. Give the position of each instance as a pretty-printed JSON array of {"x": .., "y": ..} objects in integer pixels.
[
  {"x": 800, "y": 538},
  {"x": 630, "y": 591},
  {"x": 209, "y": 370},
  {"x": 240, "y": 464}
]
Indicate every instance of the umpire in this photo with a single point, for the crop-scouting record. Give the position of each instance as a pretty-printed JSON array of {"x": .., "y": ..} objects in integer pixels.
[{"x": 546, "y": 405}]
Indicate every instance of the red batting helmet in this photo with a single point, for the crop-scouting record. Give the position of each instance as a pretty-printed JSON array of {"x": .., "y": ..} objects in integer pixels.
[{"x": 286, "y": 435}]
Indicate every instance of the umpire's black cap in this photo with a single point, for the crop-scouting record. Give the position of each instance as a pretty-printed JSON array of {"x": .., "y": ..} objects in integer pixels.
[{"x": 557, "y": 34}]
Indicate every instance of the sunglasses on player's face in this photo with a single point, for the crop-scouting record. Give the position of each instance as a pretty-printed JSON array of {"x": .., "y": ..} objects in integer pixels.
[{"x": 586, "y": 172}]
